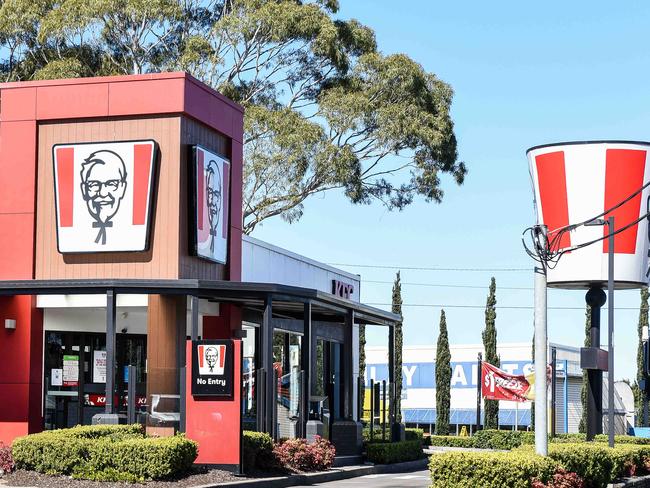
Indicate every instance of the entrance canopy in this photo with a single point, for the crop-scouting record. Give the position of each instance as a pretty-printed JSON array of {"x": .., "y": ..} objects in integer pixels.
[{"x": 287, "y": 300}]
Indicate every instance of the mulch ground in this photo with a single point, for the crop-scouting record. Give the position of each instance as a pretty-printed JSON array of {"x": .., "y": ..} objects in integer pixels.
[{"x": 197, "y": 477}]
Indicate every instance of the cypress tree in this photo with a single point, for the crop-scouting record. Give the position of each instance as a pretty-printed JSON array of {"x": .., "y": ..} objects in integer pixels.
[
  {"x": 582, "y": 426},
  {"x": 640, "y": 375},
  {"x": 399, "y": 342},
  {"x": 491, "y": 416},
  {"x": 443, "y": 379}
]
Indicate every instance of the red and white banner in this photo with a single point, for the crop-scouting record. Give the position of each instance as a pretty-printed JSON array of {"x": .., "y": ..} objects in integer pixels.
[
  {"x": 103, "y": 195},
  {"x": 578, "y": 181},
  {"x": 499, "y": 385}
]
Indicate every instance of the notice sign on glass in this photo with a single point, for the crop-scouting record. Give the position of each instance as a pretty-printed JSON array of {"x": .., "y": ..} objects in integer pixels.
[
  {"x": 212, "y": 367},
  {"x": 99, "y": 366},
  {"x": 70, "y": 370}
]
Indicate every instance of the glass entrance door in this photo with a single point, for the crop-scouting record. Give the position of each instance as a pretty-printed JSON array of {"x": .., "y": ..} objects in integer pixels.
[{"x": 75, "y": 376}]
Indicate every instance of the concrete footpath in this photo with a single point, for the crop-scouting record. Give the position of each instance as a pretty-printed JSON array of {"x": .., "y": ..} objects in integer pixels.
[{"x": 334, "y": 474}]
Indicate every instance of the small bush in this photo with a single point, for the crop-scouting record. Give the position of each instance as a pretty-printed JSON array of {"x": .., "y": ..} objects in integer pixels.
[
  {"x": 105, "y": 453},
  {"x": 299, "y": 455},
  {"x": 449, "y": 441},
  {"x": 258, "y": 450},
  {"x": 561, "y": 479},
  {"x": 490, "y": 469},
  {"x": 394, "y": 452},
  {"x": 6, "y": 459}
]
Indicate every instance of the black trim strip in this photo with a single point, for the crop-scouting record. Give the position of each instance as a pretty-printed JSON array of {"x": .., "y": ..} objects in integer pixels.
[{"x": 574, "y": 143}]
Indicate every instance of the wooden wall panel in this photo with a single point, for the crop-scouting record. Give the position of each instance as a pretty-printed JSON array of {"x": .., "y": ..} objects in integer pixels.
[
  {"x": 163, "y": 343},
  {"x": 193, "y": 132},
  {"x": 162, "y": 259}
]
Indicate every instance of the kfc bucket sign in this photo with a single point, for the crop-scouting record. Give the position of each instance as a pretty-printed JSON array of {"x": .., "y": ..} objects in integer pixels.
[
  {"x": 103, "y": 194},
  {"x": 577, "y": 181}
]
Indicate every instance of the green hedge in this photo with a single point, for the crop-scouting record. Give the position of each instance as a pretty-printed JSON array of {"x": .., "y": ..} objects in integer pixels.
[
  {"x": 497, "y": 439},
  {"x": 595, "y": 463},
  {"x": 448, "y": 441},
  {"x": 489, "y": 469},
  {"x": 258, "y": 450},
  {"x": 394, "y": 452},
  {"x": 105, "y": 453},
  {"x": 508, "y": 439}
]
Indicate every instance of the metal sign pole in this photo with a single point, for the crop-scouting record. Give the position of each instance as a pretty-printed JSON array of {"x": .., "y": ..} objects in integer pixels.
[
  {"x": 479, "y": 381},
  {"x": 610, "y": 333},
  {"x": 541, "y": 423}
]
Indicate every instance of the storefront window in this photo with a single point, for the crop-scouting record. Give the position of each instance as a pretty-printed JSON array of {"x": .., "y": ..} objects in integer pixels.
[{"x": 75, "y": 376}]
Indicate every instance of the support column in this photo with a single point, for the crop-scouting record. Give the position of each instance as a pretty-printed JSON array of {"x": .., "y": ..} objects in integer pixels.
[
  {"x": 194, "y": 305},
  {"x": 110, "y": 350},
  {"x": 347, "y": 432},
  {"x": 305, "y": 366},
  {"x": 348, "y": 370},
  {"x": 592, "y": 360},
  {"x": 267, "y": 365},
  {"x": 397, "y": 431}
]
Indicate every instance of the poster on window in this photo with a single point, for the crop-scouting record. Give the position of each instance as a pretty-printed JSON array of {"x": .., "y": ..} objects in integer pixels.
[
  {"x": 211, "y": 185},
  {"x": 99, "y": 366},
  {"x": 103, "y": 195},
  {"x": 70, "y": 370},
  {"x": 57, "y": 377}
]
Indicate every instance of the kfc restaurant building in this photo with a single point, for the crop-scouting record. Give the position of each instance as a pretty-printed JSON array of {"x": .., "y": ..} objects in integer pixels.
[{"x": 121, "y": 292}]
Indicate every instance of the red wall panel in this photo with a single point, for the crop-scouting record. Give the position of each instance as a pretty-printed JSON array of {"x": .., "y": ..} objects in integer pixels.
[{"x": 214, "y": 422}]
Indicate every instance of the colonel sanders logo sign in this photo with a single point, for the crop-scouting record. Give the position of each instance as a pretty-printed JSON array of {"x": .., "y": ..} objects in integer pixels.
[
  {"x": 211, "y": 185},
  {"x": 212, "y": 359},
  {"x": 212, "y": 367},
  {"x": 103, "y": 195}
]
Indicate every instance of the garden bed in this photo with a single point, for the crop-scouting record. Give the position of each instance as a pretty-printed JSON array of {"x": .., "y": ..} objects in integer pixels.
[{"x": 195, "y": 477}]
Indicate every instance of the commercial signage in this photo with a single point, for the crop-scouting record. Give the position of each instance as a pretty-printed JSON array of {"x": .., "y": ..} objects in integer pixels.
[
  {"x": 99, "y": 366},
  {"x": 104, "y": 193},
  {"x": 211, "y": 185},
  {"x": 422, "y": 375},
  {"x": 212, "y": 367},
  {"x": 499, "y": 385},
  {"x": 577, "y": 182},
  {"x": 343, "y": 290}
]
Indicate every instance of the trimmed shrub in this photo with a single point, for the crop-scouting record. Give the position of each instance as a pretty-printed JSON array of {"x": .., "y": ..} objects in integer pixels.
[
  {"x": 6, "y": 459},
  {"x": 105, "y": 453},
  {"x": 138, "y": 459},
  {"x": 394, "y": 452},
  {"x": 497, "y": 439},
  {"x": 414, "y": 435},
  {"x": 490, "y": 469},
  {"x": 624, "y": 439},
  {"x": 596, "y": 463},
  {"x": 448, "y": 441},
  {"x": 299, "y": 455},
  {"x": 258, "y": 450}
]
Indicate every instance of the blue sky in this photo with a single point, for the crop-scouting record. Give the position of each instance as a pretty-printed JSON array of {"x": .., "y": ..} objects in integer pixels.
[{"x": 523, "y": 75}]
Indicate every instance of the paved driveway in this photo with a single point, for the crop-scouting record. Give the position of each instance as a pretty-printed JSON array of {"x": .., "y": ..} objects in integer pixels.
[{"x": 416, "y": 479}]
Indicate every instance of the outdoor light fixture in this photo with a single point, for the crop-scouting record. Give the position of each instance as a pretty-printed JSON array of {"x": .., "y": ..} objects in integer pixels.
[{"x": 10, "y": 324}]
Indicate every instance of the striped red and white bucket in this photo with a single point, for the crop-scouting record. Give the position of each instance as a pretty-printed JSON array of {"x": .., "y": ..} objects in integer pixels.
[{"x": 578, "y": 181}]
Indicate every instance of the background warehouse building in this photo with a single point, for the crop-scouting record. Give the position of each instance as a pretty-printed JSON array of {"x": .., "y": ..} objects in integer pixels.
[{"x": 419, "y": 389}]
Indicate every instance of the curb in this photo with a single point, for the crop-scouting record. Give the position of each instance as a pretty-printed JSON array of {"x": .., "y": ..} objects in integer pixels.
[{"x": 335, "y": 474}]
